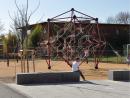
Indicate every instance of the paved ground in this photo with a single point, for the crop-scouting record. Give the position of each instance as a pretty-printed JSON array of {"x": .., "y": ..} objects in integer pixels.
[
  {"x": 87, "y": 89},
  {"x": 6, "y": 92}
]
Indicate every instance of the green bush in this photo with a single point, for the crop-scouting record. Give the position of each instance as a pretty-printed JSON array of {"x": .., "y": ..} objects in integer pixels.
[{"x": 31, "y": 41}]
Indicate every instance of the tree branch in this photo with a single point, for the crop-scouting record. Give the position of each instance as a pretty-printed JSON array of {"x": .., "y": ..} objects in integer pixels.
[{"x": 33, "y": 11}]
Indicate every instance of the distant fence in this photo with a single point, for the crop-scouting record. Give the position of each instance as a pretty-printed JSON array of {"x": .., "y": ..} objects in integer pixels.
[{"x": 108, "y": 56}]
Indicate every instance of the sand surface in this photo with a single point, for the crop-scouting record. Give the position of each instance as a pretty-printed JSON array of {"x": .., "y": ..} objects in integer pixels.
[{"x": 7, "y": 74}]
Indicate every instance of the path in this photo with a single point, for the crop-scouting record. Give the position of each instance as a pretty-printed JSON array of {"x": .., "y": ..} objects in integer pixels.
[{"x": 6, "y": 92}]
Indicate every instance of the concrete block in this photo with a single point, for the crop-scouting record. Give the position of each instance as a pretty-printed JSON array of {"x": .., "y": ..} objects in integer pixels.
[
  {"x": 119, "y": 75},
  {"x": 49, "y": 77}
]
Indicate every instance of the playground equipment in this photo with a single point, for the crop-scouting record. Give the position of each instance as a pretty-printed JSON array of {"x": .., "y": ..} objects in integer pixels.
[
  {"x": 128, "y": 50},
  {"x": 76, "y": 35},
  {"x": 25, "y": 55},
  {"x": 127, "y": 53}
]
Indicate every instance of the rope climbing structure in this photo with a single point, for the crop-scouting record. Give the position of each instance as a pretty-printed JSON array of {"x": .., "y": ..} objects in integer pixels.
[{"x": 74, "y": 34}]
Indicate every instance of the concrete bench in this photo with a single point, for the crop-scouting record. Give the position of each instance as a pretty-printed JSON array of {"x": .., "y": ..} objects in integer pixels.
[
  {"x": 119, "y": 75},
  {"x": 49, "y": 77}
]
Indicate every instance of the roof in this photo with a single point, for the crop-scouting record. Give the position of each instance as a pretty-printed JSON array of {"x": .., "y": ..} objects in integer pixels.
[{"x": 105, "y": 24}]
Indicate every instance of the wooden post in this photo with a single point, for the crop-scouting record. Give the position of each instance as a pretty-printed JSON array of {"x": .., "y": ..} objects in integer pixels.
[
  {"x": 27, "y": 64},
  {"x": 7, "y": 56},
  {"x": 24, "y": 68},
  {"x": 33, "y": 57},
  {"x": 22, "y": 62},
  {"x": 7, "y": 62}
]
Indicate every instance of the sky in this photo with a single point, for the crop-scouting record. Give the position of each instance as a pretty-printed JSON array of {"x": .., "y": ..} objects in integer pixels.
[{"x": 50, "y": 8}]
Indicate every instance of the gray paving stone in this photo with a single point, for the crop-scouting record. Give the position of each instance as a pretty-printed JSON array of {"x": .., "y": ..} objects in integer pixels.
[{"x": 86, "y": 89}]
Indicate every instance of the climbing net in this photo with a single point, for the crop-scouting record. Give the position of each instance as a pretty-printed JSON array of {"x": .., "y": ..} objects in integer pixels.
[{"x": 74, "y": 34}]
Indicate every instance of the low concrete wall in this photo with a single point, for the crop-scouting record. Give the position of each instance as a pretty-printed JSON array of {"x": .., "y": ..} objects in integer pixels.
[
  {"x": 49, "y": 77},
  {"x": 119, "y": 75}
]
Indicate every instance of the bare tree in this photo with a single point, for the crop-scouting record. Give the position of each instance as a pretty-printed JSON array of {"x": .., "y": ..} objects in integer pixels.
[
  {"x": 1, "y": 26},
  {"x": 123, "y": 18},
  {"x": 111, "y": 20},
  {"x": 21, "y": 20},
  {"x": 120, "y": 18}
]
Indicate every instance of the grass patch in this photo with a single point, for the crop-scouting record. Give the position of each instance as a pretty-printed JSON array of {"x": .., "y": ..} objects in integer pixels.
[{"x": 111, "y": 59}]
